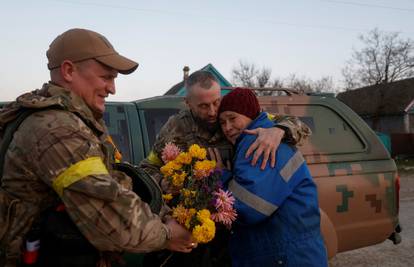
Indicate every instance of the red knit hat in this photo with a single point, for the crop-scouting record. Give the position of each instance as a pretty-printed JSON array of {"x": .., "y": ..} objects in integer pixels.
[{"x": 242, "y": 101}]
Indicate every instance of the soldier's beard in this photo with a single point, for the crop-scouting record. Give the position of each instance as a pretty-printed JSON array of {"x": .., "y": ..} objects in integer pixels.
[{"x": 212, "y": 128}]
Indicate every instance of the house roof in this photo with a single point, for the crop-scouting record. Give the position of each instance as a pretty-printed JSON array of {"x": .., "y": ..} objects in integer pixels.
[
  {"x": 381, "y": 99},
  {"x": 175, "y": 89},
  {"x": 179, "y": 88}
]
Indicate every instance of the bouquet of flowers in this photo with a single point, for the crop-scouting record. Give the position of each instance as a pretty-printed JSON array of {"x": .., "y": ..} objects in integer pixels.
[{"x": 198, "y": 201}]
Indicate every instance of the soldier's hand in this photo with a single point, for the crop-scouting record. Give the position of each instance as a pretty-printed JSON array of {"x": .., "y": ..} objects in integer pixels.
[
  {"x": 266, "y": 144},
  {"x": 181, "y": 239},
  {"x": 214, "y": 154}
]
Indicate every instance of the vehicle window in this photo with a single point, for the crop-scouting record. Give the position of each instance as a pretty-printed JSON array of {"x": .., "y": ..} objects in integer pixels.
[
  {"x": 155, "y": 119},
  {"x": 115, "y": 119},
  {"x": 309, "y": 122},
  {"x": 331, "y": 134}
]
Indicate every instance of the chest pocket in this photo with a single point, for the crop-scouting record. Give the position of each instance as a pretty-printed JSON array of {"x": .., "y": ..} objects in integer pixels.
[{"x": 186, "y": 140}]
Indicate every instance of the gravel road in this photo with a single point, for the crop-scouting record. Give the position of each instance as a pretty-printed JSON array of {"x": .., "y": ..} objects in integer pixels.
[{"x": 387, "y": 254}]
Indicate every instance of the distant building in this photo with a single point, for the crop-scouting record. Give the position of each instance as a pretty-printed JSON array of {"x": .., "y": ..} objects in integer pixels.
[
  {"x": 179, "y": 88},
  {"x": 387, "y": 108}
]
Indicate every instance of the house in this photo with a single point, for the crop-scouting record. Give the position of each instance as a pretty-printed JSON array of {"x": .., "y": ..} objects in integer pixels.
[
  {"x": 179, "y": 88},
  {"x": 387, "y": 108}
]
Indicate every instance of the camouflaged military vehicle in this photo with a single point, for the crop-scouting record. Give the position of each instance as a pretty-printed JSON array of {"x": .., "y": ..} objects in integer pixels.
[{"x": 357, "y": 180}]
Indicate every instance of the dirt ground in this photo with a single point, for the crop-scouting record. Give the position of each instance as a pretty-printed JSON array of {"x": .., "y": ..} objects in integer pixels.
[{"x": 387, "y": 254}]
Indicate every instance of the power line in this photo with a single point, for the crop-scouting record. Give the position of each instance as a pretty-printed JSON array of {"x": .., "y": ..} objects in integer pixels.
[
  {"x": 369, "y": 5},
  {"x": 229, "y": 19},
  {"x": 144, "y": 10}
]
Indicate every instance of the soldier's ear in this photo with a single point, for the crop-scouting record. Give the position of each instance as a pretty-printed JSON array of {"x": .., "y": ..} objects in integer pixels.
[
  {"x": 67, "y": 69},
  {"x": 187, "y": 101}
]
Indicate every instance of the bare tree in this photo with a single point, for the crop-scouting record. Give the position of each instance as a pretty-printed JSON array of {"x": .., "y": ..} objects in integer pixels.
[
  {"x": 244, "y": 74},
  {"x": 278, "y": 83},
  {"x": 324, "y": 85},
  {"x": 385, "y": 57},
  {"x": 306, "y": 85},
  {"x": 263, "y": 77},
  {"x": 249, "y": 75},
  {"x": 301, "y": 84}
]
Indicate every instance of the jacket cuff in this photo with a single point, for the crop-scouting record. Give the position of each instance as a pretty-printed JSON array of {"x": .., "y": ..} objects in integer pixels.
[
  {"x": 168, "y": 236},
  {"x": 288, "y": 137}
]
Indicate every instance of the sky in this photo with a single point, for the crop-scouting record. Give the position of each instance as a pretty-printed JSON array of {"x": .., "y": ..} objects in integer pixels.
[{"x": 309, "y": 38}]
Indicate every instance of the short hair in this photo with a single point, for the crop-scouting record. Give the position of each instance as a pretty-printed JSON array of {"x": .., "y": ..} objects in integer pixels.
[
  {"x": 55, "y": 72},
  {"x": 204, "y": 78}
]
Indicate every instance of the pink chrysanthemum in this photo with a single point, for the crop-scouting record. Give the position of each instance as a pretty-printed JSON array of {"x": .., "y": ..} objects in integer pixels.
[
  {"x": 224, "y": 200},
  {"x": 170, "y": 152},
  {"x": 226, "y": 217}
]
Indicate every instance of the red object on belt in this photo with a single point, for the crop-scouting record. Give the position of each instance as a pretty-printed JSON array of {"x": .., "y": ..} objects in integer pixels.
[
  {"x": 31, "y": 253},
  {"x": 60, "y": 207}
]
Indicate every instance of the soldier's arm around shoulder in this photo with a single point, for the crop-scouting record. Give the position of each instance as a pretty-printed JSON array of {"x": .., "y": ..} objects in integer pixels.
[
  {"x": 70, "y": 158},
  {"x": 296, "y": 132}
]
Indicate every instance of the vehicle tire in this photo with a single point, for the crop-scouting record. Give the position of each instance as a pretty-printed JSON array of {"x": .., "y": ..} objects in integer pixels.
[{"x": 329, "y": 235}]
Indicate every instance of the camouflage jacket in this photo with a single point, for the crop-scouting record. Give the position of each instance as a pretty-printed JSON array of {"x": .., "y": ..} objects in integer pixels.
[
  {"x": 183, "y": 130},
  {"x": 61, "y": 154}
]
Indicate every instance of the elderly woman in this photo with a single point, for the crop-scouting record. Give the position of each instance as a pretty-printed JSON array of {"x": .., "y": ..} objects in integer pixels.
[{"x": 278, "y": 215}]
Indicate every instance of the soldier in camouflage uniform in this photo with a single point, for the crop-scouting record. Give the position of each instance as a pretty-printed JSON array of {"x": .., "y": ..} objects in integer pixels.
[
  {"x": 61, "y": 154},
  {"x": 198, "y": 125}
]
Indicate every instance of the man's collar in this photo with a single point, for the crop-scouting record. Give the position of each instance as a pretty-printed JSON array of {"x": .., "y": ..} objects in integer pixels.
[{"x": 74, "y": 103}]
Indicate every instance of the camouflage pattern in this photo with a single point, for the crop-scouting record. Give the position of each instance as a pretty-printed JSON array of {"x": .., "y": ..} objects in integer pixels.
[
  {"x": 356, "y": 177},
  {"x": 183, "y": 130},
  {"x": 104, "y": 208},
  {"x": 296, "y": 132}
]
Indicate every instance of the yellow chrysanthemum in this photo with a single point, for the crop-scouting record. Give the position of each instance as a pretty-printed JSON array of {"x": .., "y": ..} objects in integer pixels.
[
  {"x": 190, "y": 215},
  {"x": 203, "y": 215},
  {"x": 183, "y": 215},
  {"x": 205, "y": 232},
  {"x": 169, "y": 168},
  {"x": 176, "y": 165},
  {"x": 185, "y": 192},
  {"x": 184, "y": 158},
  {"x": 189, "y": 196},
  {"x": 178, "y": 179},
  {"x": 197, "y": 152},
  {"x": 204, "y": 168},
  {"x": 206, "y": 165},
  {"x": 180, "y": 214},
  {"x": 167, "y": 197},
  {"x": 166, "y": 170},
  {"x": 188, "y": 193}
]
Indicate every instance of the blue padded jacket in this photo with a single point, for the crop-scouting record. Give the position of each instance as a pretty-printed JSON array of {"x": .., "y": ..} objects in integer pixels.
[{"x": 278, "y": 220}]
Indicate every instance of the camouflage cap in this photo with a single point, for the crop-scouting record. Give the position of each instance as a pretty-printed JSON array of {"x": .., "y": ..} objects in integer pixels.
[{"x": 81, "y": 44}]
